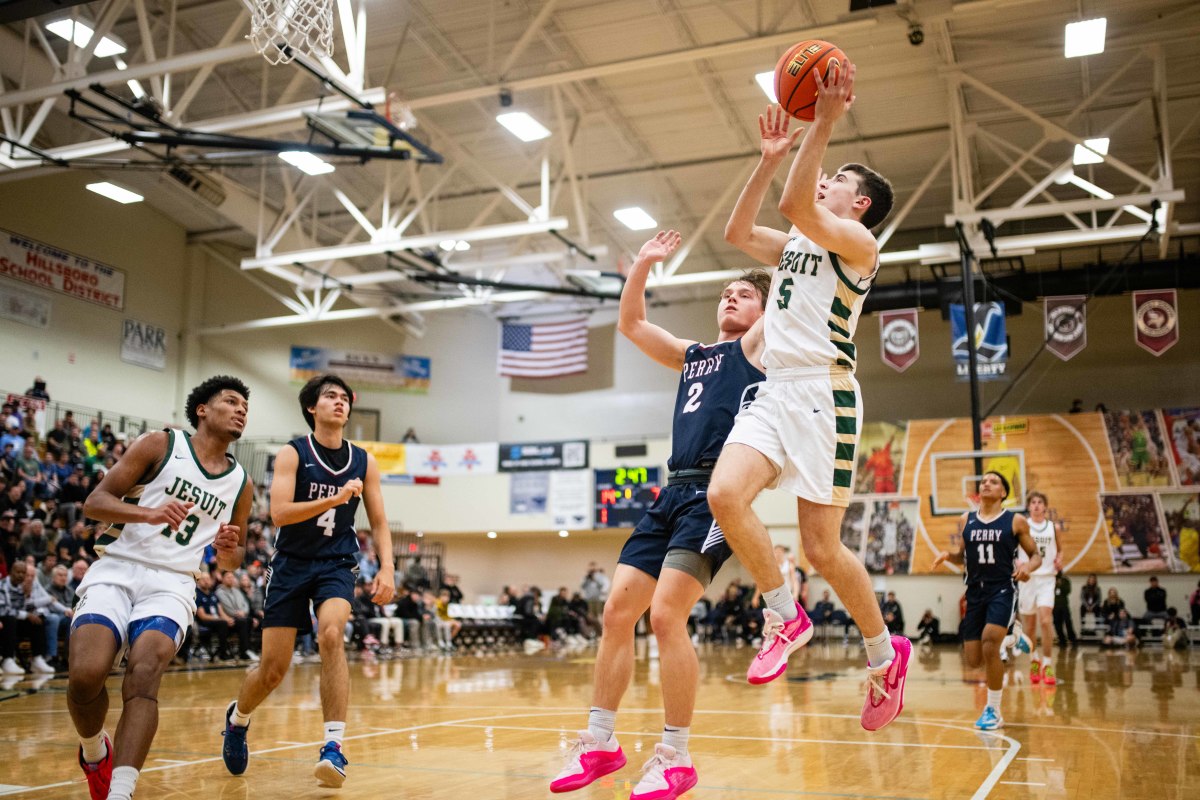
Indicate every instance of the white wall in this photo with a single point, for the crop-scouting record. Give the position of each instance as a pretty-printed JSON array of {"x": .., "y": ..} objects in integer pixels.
[{"x": 79, "y": 354}]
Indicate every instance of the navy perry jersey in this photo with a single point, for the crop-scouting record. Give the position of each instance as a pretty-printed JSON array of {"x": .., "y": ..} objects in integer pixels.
[
  {"x": 330, "y": 534},
  {"x": 716, "y": 383},
  {"x": 990, "y": 548}
]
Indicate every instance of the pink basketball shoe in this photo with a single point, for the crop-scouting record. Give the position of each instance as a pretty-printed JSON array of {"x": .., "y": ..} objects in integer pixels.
[
  {"x": 587, "y": 761},
  {"x": 780, "y": 640},
  {"x": 885, "y": 687},
  {"x": 666, "y": 776}
]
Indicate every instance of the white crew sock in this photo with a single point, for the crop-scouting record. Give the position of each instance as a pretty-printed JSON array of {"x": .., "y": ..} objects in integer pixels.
[
  {"x": 94, "y": 748},
  {"x": 781, "y": 602},
  {"x": 124, "y": 781},
  {"x": 602, "y": 723},
  {"x": 238, "y": 717},
  {"x": 677, "y": 738},
  {"x": 994, "y": 696},
  {"x": 879, "y": 648},
  {"x": 335, "y": 732}
]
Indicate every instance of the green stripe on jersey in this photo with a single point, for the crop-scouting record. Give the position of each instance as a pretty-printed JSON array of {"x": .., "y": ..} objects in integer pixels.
[
  {"x": 845, "y": 347},
  {"x": 844, "y": 451},
  {"x": 844, "y": 398},
  {"x": 838, "y": 329},
  {"x": 840, "y": 309},
  {"x": 846, "y": 425},
  {"x": 842, "y": 477}
]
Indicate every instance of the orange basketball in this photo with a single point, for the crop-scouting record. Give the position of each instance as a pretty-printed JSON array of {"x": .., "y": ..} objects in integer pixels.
[{"x": 799, "y": 71}]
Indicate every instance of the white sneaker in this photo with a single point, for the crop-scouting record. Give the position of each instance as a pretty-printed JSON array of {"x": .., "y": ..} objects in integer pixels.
[
  {"x": 251, "y": 655},
  {"x": 11, "y": 667},
  {"x": 40, "y": 665},
  {"x": 666, "y": 774}
]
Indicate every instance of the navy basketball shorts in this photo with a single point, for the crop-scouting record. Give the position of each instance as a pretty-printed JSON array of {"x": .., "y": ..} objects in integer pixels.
[
  {"x": 988, "y": 604},
  {"x": 293, "y": 582},
  {"x": 679, "y": 520}
]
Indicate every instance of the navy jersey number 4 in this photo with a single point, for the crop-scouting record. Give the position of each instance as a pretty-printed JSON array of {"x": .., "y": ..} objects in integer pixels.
[{"x": 330, "y": 534}]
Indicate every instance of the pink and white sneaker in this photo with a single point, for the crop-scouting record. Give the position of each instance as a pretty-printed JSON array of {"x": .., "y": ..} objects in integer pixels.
[
  {"x": 780, "y": 640},
  {"x": 885, "y": 687},
  {"x": 666, "y": 776},
  {"x": 588, "y": 760}
]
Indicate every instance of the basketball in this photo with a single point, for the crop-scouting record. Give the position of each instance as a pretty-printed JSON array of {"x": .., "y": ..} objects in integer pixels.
[{"x": 799, "y": 73}]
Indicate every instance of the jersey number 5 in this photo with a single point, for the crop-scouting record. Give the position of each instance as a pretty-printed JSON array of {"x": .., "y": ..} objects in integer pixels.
[
  {"x": 326, "y": 521},
  {"x": 785, "y": 293}
]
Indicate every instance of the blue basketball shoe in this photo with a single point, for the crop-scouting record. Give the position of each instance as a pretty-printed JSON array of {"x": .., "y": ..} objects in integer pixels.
[
  {"x": 234, "y": 750},
  {"x": 989, "y": 720},
  {"x": 331, "y": 766}
]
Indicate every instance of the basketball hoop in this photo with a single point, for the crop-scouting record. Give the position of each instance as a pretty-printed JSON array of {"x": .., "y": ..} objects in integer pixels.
[{"x": 281, "y": 29}]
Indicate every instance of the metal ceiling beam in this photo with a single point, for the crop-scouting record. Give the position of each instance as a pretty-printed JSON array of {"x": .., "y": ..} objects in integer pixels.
[{"x": 998, "y": 215}]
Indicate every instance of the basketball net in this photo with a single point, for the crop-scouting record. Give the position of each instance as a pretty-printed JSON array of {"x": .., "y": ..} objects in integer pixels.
[{"x": 280, "y": 29}]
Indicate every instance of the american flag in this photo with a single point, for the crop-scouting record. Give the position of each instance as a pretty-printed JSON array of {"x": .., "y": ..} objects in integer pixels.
[{"x": 544, "y": 350}]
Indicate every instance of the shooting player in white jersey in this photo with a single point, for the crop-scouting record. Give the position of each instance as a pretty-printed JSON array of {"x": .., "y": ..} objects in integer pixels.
[
  {"x": 801, "y": 431},
  {"x": 168, "y": 498},
  {"x": 1035, "y": 600}
]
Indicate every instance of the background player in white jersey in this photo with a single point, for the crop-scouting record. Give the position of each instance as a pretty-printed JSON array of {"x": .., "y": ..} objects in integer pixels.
[
  {"x": 314, "y": 497},
  {"x": 168, "y": 498},
  {"x": 801, "y": 431},
  {"x": 1035, "y": 600}
]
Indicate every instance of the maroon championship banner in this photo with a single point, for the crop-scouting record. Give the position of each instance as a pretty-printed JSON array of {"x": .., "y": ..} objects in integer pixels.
[
  {"x": 899, "y": 342},
  {"x": 1066, "y": 325},
  {"x": 1156, "y": 320}
]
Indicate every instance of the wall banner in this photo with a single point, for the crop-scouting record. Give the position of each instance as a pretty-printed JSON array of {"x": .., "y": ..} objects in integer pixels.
[
  {"x": 363, "y": 371},
  {"x": 49, "y": 267},
  {"x": 899, "y": 341},
  {"x": 144, "y": 344},
  {"x": 542, "y": 456},
  {"x": 1156, "y": 320},
  {"x": 991, "y": 341},
  {"x": 1066, "y": 325}
]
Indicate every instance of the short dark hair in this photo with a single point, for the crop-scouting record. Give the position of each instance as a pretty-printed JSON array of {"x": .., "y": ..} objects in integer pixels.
[
  {"x": 1003, "y": 482},
  {"x": 876, "y": 187},
  {"x": 311, "y": 392},
  {"x": 210, "y": 389},
  {"x": 1037, "y": 494},
  {"x": 760, "y": 279}
]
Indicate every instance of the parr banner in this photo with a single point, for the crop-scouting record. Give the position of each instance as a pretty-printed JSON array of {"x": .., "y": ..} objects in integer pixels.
[
  {"x": 991, "y": 340},
  {"x": 144, "y": 344},
  {"x": 899, "y": 343},
  {"x": 1066, "y": 325},
  {"x": 1156, "y": 320},
  {"x": 540, "y": 456},
  {"x": 362, "y": 370},
  {"x": 49, "y": 267}
]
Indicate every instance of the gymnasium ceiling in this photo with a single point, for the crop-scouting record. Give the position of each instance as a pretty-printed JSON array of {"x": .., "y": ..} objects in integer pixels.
[{"x": 650, "y": 103}]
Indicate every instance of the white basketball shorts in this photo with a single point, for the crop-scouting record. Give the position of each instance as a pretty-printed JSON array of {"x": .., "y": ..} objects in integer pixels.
[
  {"x": 806, "y": 421},
  {"x": 1035, "y": 593},
  {"x": 117, "y": 592}
]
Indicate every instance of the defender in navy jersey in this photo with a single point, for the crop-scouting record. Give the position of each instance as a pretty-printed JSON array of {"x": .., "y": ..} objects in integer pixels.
[
  {"x": 990, "y": 538},
  {"x": 677, "y": 547},
  {"x": 318, "y": 483}
]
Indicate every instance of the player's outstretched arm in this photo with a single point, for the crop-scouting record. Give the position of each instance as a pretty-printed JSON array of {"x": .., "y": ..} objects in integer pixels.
[
  {"x": 1025, "y": 539},
  {"x": 230, "y": 543},
  {"x": 761, "y": 243},
  {"x": 753, "y": 343},
  {"x": 383, "y": 588},
  {"x": 846, "y": 237},
  {"x": 957, "y": 557},
  {"x": 284, "y": 508},
  {"x": 656, "y": 342},
  {"x": 106, "y": 503}
]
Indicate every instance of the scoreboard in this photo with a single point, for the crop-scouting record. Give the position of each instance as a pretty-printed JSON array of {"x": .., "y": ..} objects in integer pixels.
[{"x": 624, "y": 494}]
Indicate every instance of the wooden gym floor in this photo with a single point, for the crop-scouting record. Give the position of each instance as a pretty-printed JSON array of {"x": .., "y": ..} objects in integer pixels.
[{"x": 1119, "y": 725}]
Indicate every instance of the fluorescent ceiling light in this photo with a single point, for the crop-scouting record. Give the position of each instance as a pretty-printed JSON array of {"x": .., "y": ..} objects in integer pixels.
[
  {"x": 134, "y": 86},
  {"x": 1085, "y": 38},
  {"x": 1104, "y": 194},
  {"x": 523, "y": 126},
  {"x": 452, "y": 244},
  {"x": 635, "y": 218},
  {"x": 564, "y": 534},
  {"x": 766, "y": 81},
  {"x": 306, "y": 162},
  {"x": 114, "y": 192},
  {"x": 1090, "y": 154},
  {"x": 491, "y": 534},
  {"x": 81, "y": 33}
]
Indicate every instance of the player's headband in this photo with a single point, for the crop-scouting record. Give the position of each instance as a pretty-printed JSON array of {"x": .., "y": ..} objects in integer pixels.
[{"x": 1003, "y": 482}]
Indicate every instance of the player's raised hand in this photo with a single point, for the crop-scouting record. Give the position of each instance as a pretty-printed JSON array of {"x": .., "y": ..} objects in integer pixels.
[
  {"x": 661, "y": 246},
  {"x": 352, "y": 488},
  {"x": 940, "y": 559},
  {"x": 836, "y": 94},
  {"x": 775, "y": 141},
  {"x": 228, "y": 539},
  {"x": 172, "y": 514}
]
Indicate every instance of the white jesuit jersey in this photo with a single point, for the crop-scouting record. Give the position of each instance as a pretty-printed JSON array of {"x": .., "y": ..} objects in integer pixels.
[
  {"x": 812, "y": 309},
  {"x": 180, "y": 477},
  {"x": 1047, "y": 545}
]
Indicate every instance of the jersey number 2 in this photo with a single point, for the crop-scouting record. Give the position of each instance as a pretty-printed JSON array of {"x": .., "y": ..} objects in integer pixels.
[
  {"x": 693, "y": 402},
  {"x": 987, "y": 556},
  {"x": 326, "y": 521}
]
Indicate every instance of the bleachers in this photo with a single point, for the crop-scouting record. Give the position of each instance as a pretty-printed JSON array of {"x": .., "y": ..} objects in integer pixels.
[{"x": 485, "y": 627}]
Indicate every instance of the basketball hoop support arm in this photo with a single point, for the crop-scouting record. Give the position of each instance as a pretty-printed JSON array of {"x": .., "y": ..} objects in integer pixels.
[{"x": 966, "y": 254}]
